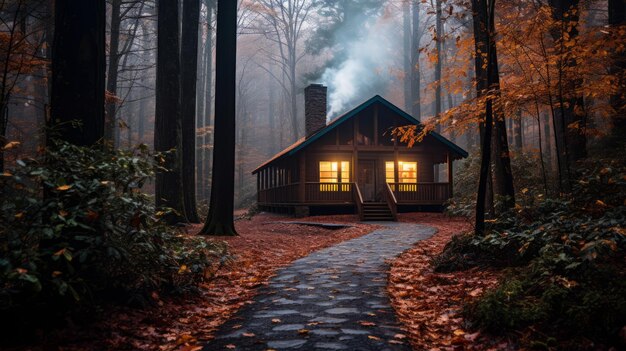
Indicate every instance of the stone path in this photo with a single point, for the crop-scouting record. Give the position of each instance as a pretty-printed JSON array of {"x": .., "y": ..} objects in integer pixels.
[{"x": 333, "y": 299}]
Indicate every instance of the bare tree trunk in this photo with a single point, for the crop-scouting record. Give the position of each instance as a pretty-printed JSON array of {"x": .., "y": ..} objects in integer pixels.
[
  {"x": 438, "y": 44},
  {"x": 113, "y": 66},
  {"x": 416, "y": 106},
  {"x": 483, "y": 24},
  {"x": 189, "y": 76},
  {"x": 408, "y": 54},
  {"x": 168, "y": 128},
  {"x": 271, "y": 110},
  {"x": 209, "y": 136},
  {"x": 517, "y": 131},
  {"x": 220, "y": 220},
  {"x": 78, "y": 71},
  {"x": 569, "y": 114}
]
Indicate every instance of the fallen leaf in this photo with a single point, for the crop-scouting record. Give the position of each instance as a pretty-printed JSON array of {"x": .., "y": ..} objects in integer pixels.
[
  {"x": 249, "y": 335},
  {"x": 373, "y": 337},
  {"x": 276, "y": 320},
  {"x": 64, "y": 187},
  {"x": 367, "y": 324}
]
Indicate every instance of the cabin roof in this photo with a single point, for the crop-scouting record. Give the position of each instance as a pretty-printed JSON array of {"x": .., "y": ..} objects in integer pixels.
[{"x": 304, "y": 142}]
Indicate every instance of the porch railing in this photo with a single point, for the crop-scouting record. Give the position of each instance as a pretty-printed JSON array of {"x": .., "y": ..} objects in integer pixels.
[
  {"x": 344, "y": 193},
  {"x": 421, "y": 193},
  {"x": 392, "y": 202},
  {"x": 329, "y": 192},
  {"x": 279, "y": 195}
]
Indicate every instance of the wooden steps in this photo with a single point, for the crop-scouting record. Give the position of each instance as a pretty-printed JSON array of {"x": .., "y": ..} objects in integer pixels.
[{"x": 376, "y": 211}]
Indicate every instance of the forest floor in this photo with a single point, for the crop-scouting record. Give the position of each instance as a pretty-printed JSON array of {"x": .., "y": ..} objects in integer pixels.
[
  {"x": 265, "y": 243},
  {"x": 426, "y": 303}
]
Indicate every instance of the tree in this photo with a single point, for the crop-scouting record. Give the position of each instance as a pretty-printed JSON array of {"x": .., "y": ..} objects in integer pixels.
[
  {"x": 286, "y": 19},
  {"x": 113, "y": 67},
  {"x": 168, "y": 128},
  {"x": 488, "y": 86},
  {"x": 20, "y": 50},
  {"x": 484, "y": 28},
  {"x": 439, "y": 38},
  {"x": 406, "y": 41},
  {"x": 569, "y": 118},
  {"x": 189, "y": 71},
  {"x": 416, "y": 105},
  {"x": 78, "y": 71},
  {"x": 220, "y": 219}
]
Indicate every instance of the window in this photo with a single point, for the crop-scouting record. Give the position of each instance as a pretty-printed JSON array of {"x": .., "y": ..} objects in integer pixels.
[
  {"x": 407, "y": 173},
  {"x": 334, "y": 172},
  {"x": 328, "y": 172}
]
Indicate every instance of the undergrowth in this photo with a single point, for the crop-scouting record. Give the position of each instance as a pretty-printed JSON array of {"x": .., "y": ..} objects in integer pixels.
[
  {"x": 76, "y": 230},
  {"x": 565, "y": 286}
]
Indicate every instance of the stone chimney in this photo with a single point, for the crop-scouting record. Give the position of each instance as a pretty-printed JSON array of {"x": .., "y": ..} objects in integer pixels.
[{"x": 314, "y": 108}]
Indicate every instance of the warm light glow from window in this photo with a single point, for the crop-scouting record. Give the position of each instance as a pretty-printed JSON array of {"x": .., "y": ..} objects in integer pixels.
[
  {"x": 390, "y": 170},
  {"x": 407, "y": 174},
  {"x": 334, "y": 172}
]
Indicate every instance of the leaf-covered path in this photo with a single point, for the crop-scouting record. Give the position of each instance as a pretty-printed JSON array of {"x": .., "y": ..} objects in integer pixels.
[{"x": 333, "y": 299}]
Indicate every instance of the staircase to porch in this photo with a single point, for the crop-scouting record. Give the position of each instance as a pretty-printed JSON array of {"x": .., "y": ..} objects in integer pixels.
[{"x": 376, "y": 211}]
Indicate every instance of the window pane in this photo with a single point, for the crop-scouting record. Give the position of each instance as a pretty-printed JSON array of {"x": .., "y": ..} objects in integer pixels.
[
  {"x": 408, "y": 175},
  {"x": 390, "y": 168}
]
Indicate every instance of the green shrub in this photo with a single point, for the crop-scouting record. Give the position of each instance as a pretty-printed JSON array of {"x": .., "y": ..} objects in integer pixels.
[
  {"x": 569, "y": 275},
  {"x": 76, "y": 229},
  {"x": 527, "y": 176}
]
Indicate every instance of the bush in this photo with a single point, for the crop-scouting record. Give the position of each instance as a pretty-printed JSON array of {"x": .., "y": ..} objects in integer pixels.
[
  {"x": 76, "y": 229},
  {"x": 569, "y": 275},
  {"x": 527, "y": 176}
]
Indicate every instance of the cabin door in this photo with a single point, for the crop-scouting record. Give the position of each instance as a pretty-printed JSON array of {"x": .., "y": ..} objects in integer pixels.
[{"x": 367, "y": 179}]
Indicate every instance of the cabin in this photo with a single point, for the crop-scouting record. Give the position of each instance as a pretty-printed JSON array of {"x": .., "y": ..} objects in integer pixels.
[{"x": 354, "y": 164}]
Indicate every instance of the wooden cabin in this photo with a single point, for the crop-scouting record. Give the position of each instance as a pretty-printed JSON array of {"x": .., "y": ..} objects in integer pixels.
[{"x": 354, "y": 164}]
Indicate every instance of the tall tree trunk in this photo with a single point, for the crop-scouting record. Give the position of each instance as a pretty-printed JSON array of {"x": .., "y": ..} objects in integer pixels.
[
  {"x": 189, "y": 76},
  {"x": 438, "y": 44},
  {"x": 168, "y": 128},
  {"x": 416, "y": 106},
  {"x": 113, "y": 66},
  {"x": 78, "y": 71},
  {"x": 517, "y": 131},
  {"x": 294, "y": 97},
  {"x": 483, "y": 29},
  {"x": 406, "y": 41},
  {"x": 569, "y": 114},
  {"x": 209, "y": 118},
  {"x": 271, "y": 110},
  {"x": 617, "y": 17},
  {"x": 220, "y": 219},
  {"x": 489, "y": 83}
]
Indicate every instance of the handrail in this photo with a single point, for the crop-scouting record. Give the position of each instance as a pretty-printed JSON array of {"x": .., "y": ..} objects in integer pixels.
[
  {"x": 391, "y": 201},
  {"x": 359, "y": 200}
]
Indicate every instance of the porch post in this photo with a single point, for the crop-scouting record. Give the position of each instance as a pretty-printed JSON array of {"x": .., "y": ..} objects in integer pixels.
[
  {"x": 450, "y": 176},
  {"x": 302, "y": 178},
  {"x": 258, "y": 187}
]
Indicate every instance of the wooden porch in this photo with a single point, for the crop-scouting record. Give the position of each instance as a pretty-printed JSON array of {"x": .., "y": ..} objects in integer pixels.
[{"x": 342, "y": 194}]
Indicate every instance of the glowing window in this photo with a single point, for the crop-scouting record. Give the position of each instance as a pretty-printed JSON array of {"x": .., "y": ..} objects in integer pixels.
[
  {"x": 407, "y": 173},
  {"x": 334, "y": 172}
]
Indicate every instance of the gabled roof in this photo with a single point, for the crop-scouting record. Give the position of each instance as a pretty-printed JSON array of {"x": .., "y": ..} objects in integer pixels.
[{"x": 304, "y": 142}]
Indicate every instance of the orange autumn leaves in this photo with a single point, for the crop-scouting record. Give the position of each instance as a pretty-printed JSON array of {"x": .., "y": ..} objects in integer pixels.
[{"x": 429, "y": 303}]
